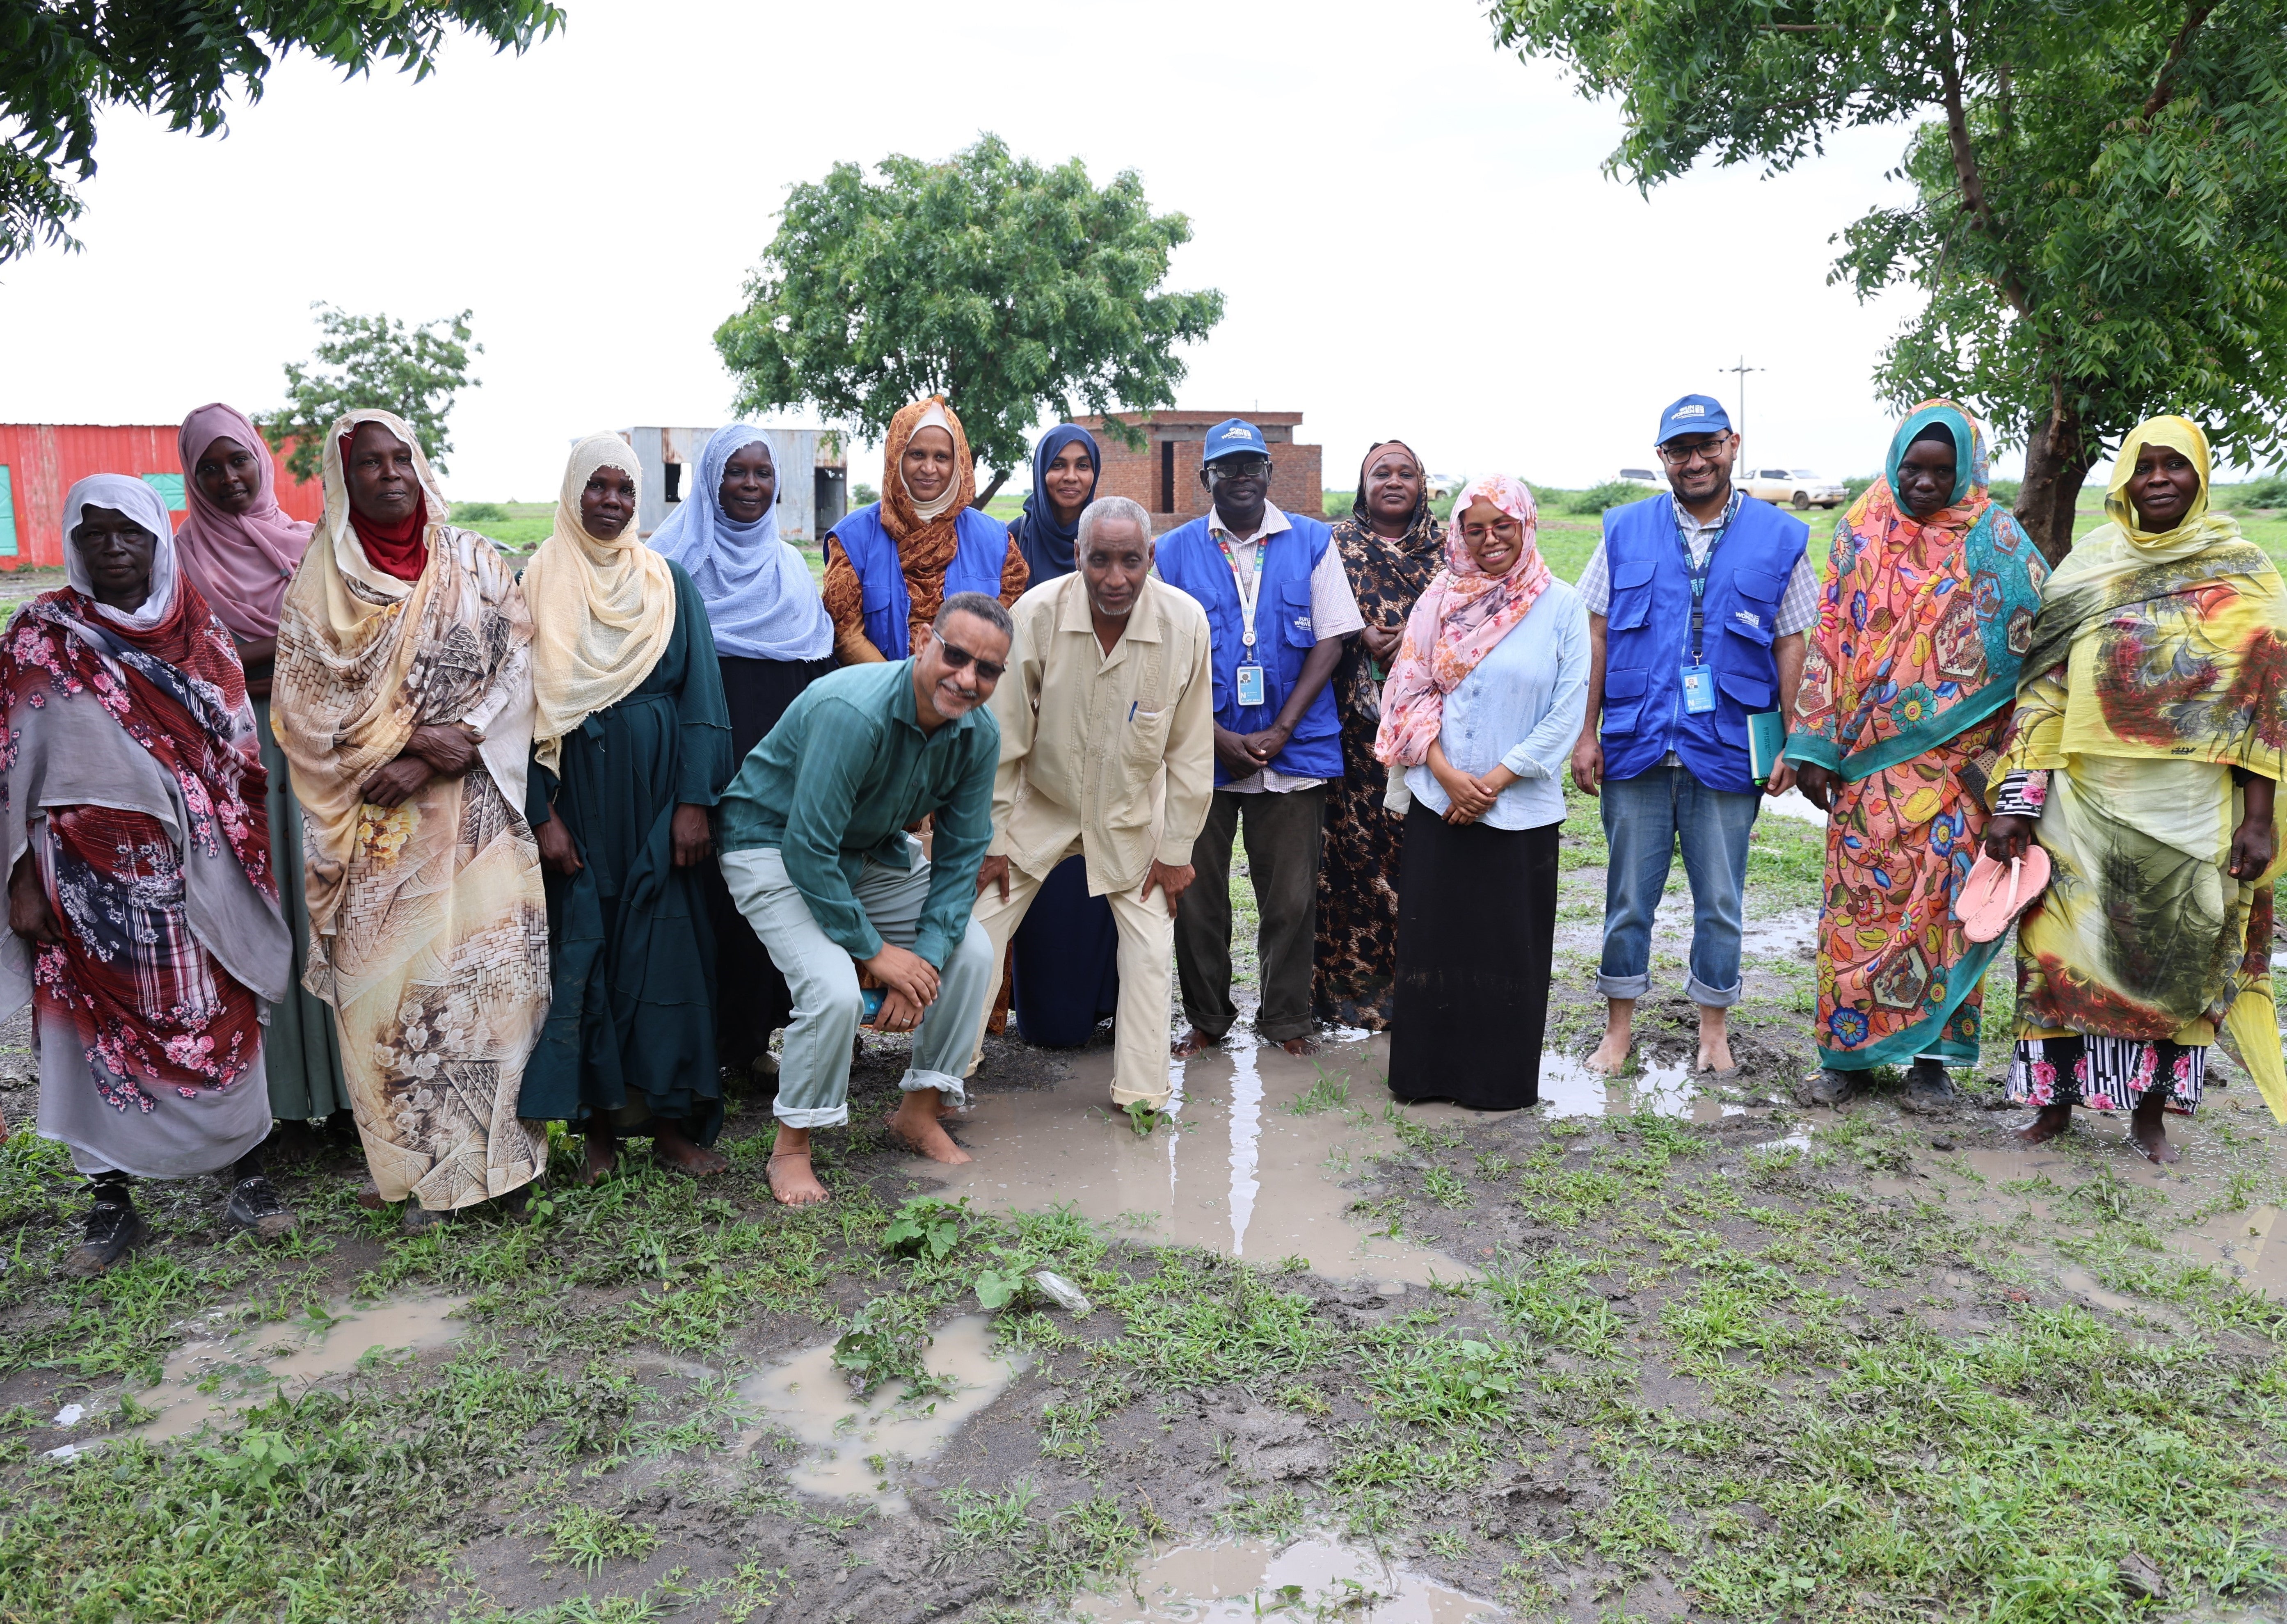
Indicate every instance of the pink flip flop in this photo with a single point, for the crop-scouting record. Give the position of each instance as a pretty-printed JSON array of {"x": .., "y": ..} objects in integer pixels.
[{"x": 1996, "y": 893}]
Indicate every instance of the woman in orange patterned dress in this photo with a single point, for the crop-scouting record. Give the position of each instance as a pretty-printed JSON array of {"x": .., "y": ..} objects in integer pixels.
[{"x": 1906, "y": 690}]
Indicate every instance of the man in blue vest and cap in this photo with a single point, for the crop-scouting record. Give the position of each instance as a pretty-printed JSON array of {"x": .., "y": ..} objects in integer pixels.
[
  {"x": 1698, "y": 603},
  {"x": 1279, "y": 608}
]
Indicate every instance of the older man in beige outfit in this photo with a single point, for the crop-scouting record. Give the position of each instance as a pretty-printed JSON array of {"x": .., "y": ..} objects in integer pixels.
[{"x": 1107, "y": 751}]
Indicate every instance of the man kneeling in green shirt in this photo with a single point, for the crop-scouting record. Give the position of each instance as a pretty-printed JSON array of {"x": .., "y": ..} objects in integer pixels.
[{"x": 816, "y": 856}]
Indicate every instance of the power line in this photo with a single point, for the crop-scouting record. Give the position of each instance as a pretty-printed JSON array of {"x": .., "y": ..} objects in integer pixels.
[{"x": 1739, "y": 427}]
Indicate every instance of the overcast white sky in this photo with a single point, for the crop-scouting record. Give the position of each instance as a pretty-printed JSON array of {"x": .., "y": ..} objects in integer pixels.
[{"x": 1411, "y": 229}]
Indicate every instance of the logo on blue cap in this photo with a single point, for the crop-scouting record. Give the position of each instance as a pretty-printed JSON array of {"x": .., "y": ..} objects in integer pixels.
[
  {"x": 1234, "y": 436},
  {"x": 1693, "y": 414}
]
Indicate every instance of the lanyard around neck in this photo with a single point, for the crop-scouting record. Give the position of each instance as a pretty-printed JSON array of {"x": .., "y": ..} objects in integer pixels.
[
  {"x": 1698, "y": 572},
  {"x": 1249, "y": 582}
]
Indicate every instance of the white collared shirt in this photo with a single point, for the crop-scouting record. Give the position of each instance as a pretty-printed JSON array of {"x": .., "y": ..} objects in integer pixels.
[{"x": 1334, "y": 613}]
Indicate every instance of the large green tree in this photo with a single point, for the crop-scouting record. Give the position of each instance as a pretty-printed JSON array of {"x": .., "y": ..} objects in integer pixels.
[
  {"x": 64, "y": 61},
  {"x": 1011, "y": 288},
  {"x": 368, "y": 361},
  {"x": 2100, "y": 212}
]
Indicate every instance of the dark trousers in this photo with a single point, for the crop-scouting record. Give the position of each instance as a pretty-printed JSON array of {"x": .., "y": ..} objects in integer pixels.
[{"x": 1284, "y": 837}]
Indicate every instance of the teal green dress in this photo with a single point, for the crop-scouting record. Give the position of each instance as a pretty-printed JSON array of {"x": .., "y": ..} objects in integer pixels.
[
  {"x": 300, "y": 1050},
  {"x": 631, "y": 1032}
]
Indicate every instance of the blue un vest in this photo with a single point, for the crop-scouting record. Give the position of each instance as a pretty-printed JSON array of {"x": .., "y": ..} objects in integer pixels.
[
  {"x": 1191, "y": 561},
  {"x": 980, "y": 549},
  {"x": 1648, "y": 631}
]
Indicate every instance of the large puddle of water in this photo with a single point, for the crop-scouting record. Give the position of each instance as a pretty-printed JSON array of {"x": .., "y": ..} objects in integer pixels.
[
  {"x": 1252, "y": 1164},
  {"x": 1314, "y": 1578},
  {"x": 218, "y": 1372},
  {"x": 861, "y": 1447}
]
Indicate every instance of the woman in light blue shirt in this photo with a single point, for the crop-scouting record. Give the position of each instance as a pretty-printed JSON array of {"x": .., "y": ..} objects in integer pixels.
[{"x": 1481, "y": 710}]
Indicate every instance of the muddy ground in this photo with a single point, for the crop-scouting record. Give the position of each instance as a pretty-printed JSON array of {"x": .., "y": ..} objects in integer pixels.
[{"x": 1657, "y": 1350}]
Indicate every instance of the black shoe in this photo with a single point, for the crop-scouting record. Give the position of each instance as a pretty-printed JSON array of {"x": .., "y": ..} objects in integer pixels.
[
  {"x": 114, "y": 1229},
  {"x": 257, "y": 1208},
  {"x": 1832, "y": 1087},
  {"x": 1929, "y": 1089}
]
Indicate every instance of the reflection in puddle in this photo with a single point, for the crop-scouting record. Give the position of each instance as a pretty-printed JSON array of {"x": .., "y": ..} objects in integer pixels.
[
  {"x": 1568, "y": 1088},
  {"x": 1314, "y": 1578},
  {"x": 854, "y": 1446},
  {"x": 210, "y": 1377},
  {"x": 1253, "y": 1166}
]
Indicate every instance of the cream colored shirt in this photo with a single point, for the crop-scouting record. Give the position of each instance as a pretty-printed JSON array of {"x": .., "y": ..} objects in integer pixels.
[{"x": 1115, "y": 749}]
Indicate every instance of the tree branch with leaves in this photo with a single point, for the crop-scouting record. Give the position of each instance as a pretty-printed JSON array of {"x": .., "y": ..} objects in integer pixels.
[
  {"x": 374, "y": 362},
  {"x": 2099, "y": 223},
  {"x": 64, "y": 61}
]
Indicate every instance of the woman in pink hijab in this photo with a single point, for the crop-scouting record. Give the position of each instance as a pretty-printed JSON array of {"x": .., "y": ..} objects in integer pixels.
[{"x": 240, "y": 550}]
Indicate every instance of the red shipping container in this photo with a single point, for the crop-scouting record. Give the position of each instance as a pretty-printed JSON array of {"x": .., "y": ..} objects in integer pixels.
[{"x": 40, "y": 462}]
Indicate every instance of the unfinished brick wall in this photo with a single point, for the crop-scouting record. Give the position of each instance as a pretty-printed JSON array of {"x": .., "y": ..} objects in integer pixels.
[{"x": 1164, "y": 476}]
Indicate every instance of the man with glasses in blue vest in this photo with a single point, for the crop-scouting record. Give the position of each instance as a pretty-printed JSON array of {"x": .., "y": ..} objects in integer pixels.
[
  {"x": 1279, "y": 608},
  {"x": 1698, "y": 602}
]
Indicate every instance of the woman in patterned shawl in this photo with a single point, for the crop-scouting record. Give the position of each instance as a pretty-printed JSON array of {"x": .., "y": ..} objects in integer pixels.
[
  {"x": 2146, "y": 753},
  {"x": 403, "y": 700},
  {"x": 1906, "y": 687},
  {"x": 1392, "y": 546},
  {"x": 142, "y": 917}
]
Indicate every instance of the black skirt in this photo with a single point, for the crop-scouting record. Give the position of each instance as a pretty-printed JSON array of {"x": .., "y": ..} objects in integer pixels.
[
  {"x": 1476, "y": 933},
  {"x": 751, "y": 1000}
]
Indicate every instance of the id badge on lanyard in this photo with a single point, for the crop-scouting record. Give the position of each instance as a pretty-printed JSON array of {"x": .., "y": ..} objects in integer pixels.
[
  {"x": 1249, "y": 674},
  {"x": 1698, "y": 690},
  {"x": 1698, "y": 677}
]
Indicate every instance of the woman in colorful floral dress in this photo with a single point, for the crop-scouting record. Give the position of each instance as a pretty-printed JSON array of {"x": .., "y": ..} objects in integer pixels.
[
  {"x": 2146, "y": 753},
  {"x": 1906, "y": 687}
]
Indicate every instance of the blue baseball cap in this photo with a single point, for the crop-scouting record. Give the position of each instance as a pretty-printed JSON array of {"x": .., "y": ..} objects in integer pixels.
[
  {"x": 1234, "y": 436},
  {"x": 1693, "y": 414}
]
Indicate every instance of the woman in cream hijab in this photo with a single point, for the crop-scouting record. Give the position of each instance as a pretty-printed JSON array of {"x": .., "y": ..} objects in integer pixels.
[
  {"x": 403, "y": 701},
  {"x": 631, "y": 747}
]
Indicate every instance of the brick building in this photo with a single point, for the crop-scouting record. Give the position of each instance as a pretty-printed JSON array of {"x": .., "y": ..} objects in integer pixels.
[{"x": 1165, "y": 475}]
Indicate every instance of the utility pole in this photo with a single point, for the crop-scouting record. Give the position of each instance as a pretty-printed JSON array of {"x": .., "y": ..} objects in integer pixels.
[{"x": 1743, "y": 369}]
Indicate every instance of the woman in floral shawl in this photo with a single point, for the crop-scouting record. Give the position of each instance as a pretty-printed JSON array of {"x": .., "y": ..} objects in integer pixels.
[
  {"x": 143, "y": 920},
  {"x": 1906, "y": 687},
  {"x": 2146, "y": 753},
  {"x": 404, "y": 702},
  {"x": 1392, "y": 546}
]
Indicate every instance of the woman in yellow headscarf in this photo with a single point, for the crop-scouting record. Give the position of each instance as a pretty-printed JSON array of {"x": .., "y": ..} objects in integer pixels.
[
  {"x": 2148, "y": 740},
  {"x": 631, "y": 748}
]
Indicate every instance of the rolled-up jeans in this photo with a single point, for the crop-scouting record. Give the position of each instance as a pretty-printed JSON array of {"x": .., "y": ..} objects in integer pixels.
[
  {"x": 1642, "y": 818},
  {"x": 814, "y": 1068}
]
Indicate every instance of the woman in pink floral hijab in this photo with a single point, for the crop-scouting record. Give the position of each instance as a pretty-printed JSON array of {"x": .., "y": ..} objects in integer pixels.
[{"x": 1481, "y": 711}]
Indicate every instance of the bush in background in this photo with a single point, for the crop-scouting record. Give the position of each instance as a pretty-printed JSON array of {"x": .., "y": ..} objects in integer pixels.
[
  {"x": 1611, "y": 494},
  {"x": 2268, "y": 492},
  {"x": 469, "y": 513},
  {"x": 864, "y": 495},
  {"x": 2004, "y": 491}
]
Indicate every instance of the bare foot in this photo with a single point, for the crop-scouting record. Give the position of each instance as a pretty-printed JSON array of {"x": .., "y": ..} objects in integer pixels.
[
  {"x": 1193, "y": 1042},
  {"x": 2049, "y": 1122},
  {"x": 924, "y": 1135},
  {"x": 793, "y": 1182},
  {"x": 1714, "y": 1040},
  {"x": 603, "y": 1157},
  {"x": 1301, "y": 1045},
  {"x": 2149, "y": 1136},
  {"x": 1612, "y": 1055},
  {"x": 678, "y": 1150}
]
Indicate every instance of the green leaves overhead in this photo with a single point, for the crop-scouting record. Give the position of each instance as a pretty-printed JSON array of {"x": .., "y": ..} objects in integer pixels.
[
  {"x": 2099, "y": 220},
  {"x": 1008, "y": 287},
  {"x": 63, "y": 61}
]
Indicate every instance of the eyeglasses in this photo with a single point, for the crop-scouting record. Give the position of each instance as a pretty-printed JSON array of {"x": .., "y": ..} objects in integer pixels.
[
  {"x": 956, "y": 656},
  {"x": 1503, "y": 530},
  {"x": 1238, "y": 467},
  {"x": 1683, "y": 456}
]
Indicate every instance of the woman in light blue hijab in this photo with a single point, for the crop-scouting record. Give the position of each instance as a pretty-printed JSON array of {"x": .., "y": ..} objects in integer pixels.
[{"x": 772, "y": 639}]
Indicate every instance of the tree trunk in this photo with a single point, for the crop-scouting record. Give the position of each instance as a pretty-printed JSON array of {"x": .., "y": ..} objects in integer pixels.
[
  {"x": 2057, "y": 459},
  {"x": 990, "y": 491}
]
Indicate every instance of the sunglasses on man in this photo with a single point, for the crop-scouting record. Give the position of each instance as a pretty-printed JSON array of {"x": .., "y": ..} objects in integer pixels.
[{"x": 956, "y": 656}]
